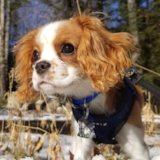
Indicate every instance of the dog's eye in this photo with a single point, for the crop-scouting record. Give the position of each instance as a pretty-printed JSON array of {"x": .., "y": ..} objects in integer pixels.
[
  {"x": 36, "y": 55},
  {"x": 68, "y": 49}
]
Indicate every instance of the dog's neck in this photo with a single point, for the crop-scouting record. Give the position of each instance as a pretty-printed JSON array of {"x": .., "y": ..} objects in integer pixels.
[
  {"x": 98, "y": 105},
  {"x": 105, "y": 102}
]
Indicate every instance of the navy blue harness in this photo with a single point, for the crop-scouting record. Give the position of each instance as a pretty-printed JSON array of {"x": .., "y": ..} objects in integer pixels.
[{"x": 106, "y": 127}]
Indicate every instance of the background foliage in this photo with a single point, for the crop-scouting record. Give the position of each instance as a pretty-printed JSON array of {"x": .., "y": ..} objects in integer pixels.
[{"x": 28, "y": 14}]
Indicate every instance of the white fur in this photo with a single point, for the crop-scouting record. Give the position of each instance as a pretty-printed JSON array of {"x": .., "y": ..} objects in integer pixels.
[
  {"x": 131, "y": 140},
  {"x": 76, "y": 85},
  {"x": 63, "y": 75},
  {"x": 98, "y": 157},
  {"x": 81, "y": 147},
  {"x": 46, "y": 37}
]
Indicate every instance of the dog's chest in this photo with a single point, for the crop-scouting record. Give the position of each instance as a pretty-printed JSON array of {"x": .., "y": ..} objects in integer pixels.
[{"x": 98, "y": 105}]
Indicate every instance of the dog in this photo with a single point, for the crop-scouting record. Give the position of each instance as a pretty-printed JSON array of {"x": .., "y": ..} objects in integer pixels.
[{"x": 81, "y": 59}]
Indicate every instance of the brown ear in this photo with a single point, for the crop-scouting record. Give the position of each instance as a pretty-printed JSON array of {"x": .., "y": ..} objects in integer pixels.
[
  {"x": 23, "y": 68},
  {"x": 102, "y": 55}
]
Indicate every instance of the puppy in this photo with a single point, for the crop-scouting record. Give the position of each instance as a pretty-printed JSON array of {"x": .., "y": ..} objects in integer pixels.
[{"x": 81, "y": 59}]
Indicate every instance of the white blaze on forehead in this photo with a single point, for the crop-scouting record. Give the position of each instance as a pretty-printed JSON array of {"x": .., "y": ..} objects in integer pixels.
[{"x": 46, "y": 37}]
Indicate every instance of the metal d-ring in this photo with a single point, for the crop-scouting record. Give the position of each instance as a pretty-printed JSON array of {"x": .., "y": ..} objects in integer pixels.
[{"x": 87, "y": 109}]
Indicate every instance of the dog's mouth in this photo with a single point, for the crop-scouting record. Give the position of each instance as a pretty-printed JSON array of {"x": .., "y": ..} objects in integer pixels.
[{"x": 43, "y": 84}]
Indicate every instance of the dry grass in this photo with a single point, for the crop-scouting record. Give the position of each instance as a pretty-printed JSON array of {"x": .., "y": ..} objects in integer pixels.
[{"x": 16, "y": 128}]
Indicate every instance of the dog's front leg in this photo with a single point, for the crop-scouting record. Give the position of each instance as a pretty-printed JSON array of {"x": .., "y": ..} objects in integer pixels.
[
  {"x": 81, "y": 147},
  {"x": 131, "y": 140}
]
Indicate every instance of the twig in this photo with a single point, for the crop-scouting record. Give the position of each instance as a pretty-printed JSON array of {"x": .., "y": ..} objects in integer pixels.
[
  {"x": 155, "y": 132},
  {"x": 36, "y": 128},
  {"x": 62, "y": 128},
  {"x": 79, "y": 10},
  {"x": 105, "y": 14},
  {"x": 11, "y": 78},
  {"x": 2, "y": 111},
  {"x": 158, "y": 74}
]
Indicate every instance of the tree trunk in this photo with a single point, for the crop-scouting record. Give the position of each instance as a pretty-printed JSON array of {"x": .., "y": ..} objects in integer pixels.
[
  {"x": 2, "y": 56},
  {"x": 68, "y": 8},
  {"x": 100, "y": 8},
  {"x": 88, "y": 7},
  {"x": 7, "y": 27},
  {"x": 133, "y": 26}
]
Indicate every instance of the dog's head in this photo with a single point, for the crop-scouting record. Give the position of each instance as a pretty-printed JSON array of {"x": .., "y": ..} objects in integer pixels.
[{"x": 71, "y": 57}]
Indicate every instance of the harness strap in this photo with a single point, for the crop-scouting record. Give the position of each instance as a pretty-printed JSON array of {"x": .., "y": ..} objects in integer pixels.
[
  {"x": 106, "y": 127},
  {"x": 138, "y": 79}
]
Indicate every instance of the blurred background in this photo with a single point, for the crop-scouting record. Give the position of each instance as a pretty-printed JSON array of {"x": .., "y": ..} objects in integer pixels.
[{"x": 139, "y": 17}]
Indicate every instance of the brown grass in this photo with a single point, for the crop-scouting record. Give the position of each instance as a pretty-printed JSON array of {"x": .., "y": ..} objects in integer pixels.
[{"x": 16, "y": 128}]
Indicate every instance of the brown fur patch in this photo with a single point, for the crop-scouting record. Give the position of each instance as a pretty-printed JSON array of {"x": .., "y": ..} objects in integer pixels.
[
  {"x": 135, "y": 117},
  {"x": 115, "y": 96},
  {"x": 115, "y": 99},
  {"x": 102, "y": 55},
  {"x": 23, "y": 67},
  {"x": 69, "y": 33}
]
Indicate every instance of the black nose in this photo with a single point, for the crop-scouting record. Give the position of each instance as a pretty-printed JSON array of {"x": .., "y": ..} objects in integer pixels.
[{"x": 42, "y": 66}]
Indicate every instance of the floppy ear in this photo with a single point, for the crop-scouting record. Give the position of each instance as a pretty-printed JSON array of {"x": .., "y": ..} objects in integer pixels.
[
  {"x": 102, "y": 55},
  {"x": 23, "y": 68}
]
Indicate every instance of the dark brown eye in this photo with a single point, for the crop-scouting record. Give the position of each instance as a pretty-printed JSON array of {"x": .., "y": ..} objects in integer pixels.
[
  {"x": 36, "y": 55},
  {"x": 68, "y": 49}
]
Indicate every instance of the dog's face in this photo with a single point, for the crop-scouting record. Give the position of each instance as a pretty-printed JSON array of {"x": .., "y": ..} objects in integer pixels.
[
  {"x": 55, "y": 66},
  {"x": 70, "y": 56}
]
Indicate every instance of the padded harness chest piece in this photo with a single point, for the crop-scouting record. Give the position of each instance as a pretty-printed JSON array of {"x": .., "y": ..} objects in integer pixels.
[{"x": 99, "y": 127}]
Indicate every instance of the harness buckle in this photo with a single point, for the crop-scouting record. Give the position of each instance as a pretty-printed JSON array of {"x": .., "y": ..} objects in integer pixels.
[
  {"x": 133, "y": 76},
  {"x": 87, "y": 109}
]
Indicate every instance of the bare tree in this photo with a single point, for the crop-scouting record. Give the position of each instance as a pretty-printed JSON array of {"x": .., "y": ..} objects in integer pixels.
[
  {"x": 133, "y": 26},
  {"x": 2, "y": 55},
  {"x": 7, "y": 27}
]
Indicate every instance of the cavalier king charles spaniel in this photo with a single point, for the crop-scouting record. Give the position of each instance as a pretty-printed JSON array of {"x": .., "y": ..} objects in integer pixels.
[{"x": 80, "y": 58}]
